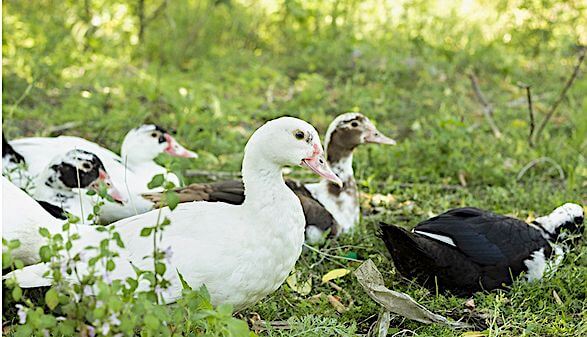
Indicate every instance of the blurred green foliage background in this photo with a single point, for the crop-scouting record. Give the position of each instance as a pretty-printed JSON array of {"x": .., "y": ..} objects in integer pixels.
[{"x": 215, "y": 70}]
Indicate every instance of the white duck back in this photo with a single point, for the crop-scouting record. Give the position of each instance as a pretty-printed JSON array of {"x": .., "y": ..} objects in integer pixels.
[{"x": 22, "y": 217}]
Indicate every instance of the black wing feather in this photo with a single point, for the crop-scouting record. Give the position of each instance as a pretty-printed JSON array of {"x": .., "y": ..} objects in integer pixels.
[{"x": 483, "y": 236}]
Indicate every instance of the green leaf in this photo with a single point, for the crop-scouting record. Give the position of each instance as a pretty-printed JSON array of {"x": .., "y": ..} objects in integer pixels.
[
  {"x": 44, "y": 232},
  {"x": 157, "y": 181},
  {"x": 146, "y": 231},
  {"x": 172, "y": 199},
  {"x": 13, "y": 244},
  {"x": 160, "y": 268},
  {"x": 6, "y": 260},
  {"x": 18, "y": 264},
  {"x": 184, "y": 284},
  {"x": 52, "y": 298},
  {"x": 118, "y": 240},
  {"x": 110, "y": 265},
  {"x": 151, "y": 322},
  {"x": 224, "y": 309},
  {"x": 16, "y": 293},
  {"x": 23, "y": 331},
  {"x": 45, "y": 253}
]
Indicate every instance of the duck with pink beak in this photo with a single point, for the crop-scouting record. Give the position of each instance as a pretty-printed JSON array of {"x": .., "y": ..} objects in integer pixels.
[{"x": 61, "y": 181}]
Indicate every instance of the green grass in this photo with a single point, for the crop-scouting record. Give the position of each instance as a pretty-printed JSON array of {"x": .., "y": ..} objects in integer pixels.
[{"x": 245, "y": 68}]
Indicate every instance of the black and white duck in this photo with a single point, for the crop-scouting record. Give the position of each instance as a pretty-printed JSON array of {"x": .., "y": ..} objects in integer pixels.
[{"x": 468, "y": 249}]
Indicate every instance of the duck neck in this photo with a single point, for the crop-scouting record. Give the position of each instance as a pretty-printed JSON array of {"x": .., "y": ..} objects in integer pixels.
[
  {"x": 263, "y": 181},
  {"x": 135, "y": 153},
  {"x": 340, "y": 157},
  {"x": 49, "y": 188}
]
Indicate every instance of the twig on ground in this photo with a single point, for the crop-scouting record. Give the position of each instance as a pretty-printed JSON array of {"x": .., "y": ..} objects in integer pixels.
[
  {"x": 330, "y": 255},
  {"x": 561, "y": 96},
  {"x": 58, "y": 129},
  {"x": 344, "y": 292},
  {"x": 538, "y": 161},
  {"x": 530, "y": 111},
  {"x": 487, "y": 107},
  {"x": 262, "y": 325}
]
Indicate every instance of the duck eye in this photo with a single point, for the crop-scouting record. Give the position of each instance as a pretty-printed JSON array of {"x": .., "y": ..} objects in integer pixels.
[
  {"x": 86, "y": 166},
  {"x": 300, "y": 135},
  {"x": 354, "y": 124},
  {"x": 154, "y": 135}
]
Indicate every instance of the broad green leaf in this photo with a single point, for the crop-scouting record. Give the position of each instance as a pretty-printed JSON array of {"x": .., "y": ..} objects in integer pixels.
[
  {"x": 16, "y": 293},
  {"x": 45, "y": 253},
  {"x": 157, "y": 181},
  {"x": 110, "y": 265},
  {"x": 334, "y": 274},
  {"x": 172, "y": 199},
  {"x": 44, "y": 232},
  {"x": 6, "y": 260},
  {"x": 52, "y": 298},
  {"x": 146, "y": 231},
  {"x": 160, "y": 268}
]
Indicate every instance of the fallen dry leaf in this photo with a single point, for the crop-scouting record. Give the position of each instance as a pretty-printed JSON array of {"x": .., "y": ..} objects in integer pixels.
[
  {"x": 381, "y": 327},
  {"x": 334, "y": 274},
  {"x": 302, "y": 288},
  {"x": 473, "y": 334},
  {"x": 399, "y": 303},
  {"x": 556, "y": 297},
  {"x": 470, "y": 304},
  {"x": 335, "y": 302}
]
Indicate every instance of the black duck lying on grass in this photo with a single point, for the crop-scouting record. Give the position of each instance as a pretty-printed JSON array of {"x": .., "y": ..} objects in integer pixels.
[{"x": 468, "y": 249}]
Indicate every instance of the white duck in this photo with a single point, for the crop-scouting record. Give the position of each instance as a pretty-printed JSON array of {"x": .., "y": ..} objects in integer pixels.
[
  {"x": 265, "y": 233},
  {"x": 132, "y": 170},
  {"x": 21, "y": 218},
  {"x": 67, "y": 179}
]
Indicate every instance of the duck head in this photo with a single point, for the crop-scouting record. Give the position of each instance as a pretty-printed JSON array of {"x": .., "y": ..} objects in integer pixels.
[
  {"x": 349, "y": 130},
  {"x": 146, "y": 142},
  {"x": 289, "y": 141},
  {"x": 79, "y": 169},
  {"x": 564, "y": 221}
]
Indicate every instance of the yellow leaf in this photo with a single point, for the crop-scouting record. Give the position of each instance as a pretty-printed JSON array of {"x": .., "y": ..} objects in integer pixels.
[
  {"x": 302, "y": 288},
  {"x": 334, "y": 274},
  {"x": 473, "y": 334}
]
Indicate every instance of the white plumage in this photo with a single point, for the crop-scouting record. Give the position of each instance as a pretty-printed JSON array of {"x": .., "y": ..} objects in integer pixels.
[
  {"x": 240, "y": 252},
  {"x": 131, "y": 171}
]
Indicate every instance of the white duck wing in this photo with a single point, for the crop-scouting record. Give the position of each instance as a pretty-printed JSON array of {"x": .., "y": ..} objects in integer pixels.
[
  {"x": 39, "y": 151},
  {"x": 22, "y": 217}
]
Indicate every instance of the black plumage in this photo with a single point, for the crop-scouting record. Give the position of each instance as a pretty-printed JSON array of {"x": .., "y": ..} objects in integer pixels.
[
  {"x": 9, "y": 154},
  {"x": 55, "y": 211},
  {"x": 477, "y": 250}
]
